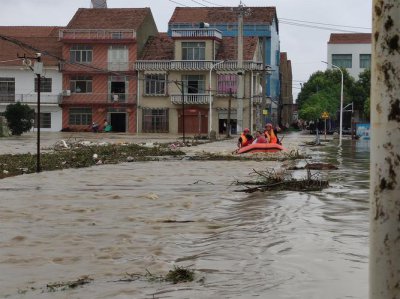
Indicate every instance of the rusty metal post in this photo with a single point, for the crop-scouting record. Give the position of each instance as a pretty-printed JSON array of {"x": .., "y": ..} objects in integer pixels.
[{"x": 385, "y": 152}]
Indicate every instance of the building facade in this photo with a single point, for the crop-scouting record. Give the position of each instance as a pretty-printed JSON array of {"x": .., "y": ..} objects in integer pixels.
[
  {"x": 188, "y": 82},
  {"x": 18, "y": 82},
  {"x": 259, "y": 22},
  {"x": 286, "y": 106},
  {"x": 351, "y": 51},
  {"x": 99, "y": 49}
]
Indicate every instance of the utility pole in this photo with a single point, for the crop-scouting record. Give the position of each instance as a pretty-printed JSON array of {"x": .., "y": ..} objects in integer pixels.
[
  {"x": 384, "y": 261},
  {"x": 38, "y": 71},
  {"x": 228, "y": 125},
  {"x": 240, "y": 92}
]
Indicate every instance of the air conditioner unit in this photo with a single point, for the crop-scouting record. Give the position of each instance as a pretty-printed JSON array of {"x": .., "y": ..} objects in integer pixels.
[
  {"x": 66, "y": 93},
  {"x": 115, "y": 98}
]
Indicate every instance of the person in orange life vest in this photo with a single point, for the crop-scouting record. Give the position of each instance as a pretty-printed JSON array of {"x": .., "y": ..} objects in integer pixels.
[
  {"x": 270, "y": 135},
  {"x": 259, "y": 138},
  {"x": 245, "y": 138}
]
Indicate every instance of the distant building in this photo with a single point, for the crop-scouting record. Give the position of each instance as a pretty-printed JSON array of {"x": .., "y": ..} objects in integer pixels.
[
  {"x": 286, "y": 96},
  {"x": 18, "y": 83},
  {"x": 100, "y": 47},
  {"x": 351, "y": 51},
  {"x": 259, "y": 22},
  {"x": 175, "y": 73}
]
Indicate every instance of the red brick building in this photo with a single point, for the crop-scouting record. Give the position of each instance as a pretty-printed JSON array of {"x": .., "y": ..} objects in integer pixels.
[{"x": 99, "y": 48}]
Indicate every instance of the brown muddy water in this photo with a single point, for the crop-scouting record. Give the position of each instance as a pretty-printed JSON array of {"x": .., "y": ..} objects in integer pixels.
[{"x": 109, "y": 220}]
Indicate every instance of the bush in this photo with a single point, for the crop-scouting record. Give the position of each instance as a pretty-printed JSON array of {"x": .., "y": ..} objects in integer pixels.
[{"x": 19, "y": 118}]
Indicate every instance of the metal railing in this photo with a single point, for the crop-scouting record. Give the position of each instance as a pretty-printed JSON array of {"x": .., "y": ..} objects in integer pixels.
[
  {"x": 191, "y": 99},
  {"x": 98, "y": 66},
  {"x": 93, "y": 34},
  {"x": 164, "y": 65},
  {"x": 31, "y": 98},
  {"x": 198, "y": 32},
  {"x": 99, "y": 98}
]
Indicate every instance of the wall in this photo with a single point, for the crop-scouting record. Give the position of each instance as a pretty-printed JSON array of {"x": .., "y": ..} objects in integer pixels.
[{"x": 355, "y": 50}]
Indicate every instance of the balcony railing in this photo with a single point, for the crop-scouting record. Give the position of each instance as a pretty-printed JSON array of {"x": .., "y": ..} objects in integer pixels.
[
  {"x": 96, "y": 34},
  {"x": 190, "y": 99},
  {"x": 96, "y": 67},
  {"x": 184, "y": 65},
  {"x": 198, "y": 32},
  {"x": 30, "y": 98},
  {"x": 99, "y": 98}
]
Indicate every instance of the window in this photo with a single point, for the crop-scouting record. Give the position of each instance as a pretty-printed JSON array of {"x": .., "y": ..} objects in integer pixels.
[
  {"x": 116, "y": 35},
  {"x": 81, "y": 84},
  {"x": 7, "y": 89},
  {"x": 227, "y": 83},
  {"x": 118, "y": 57},
  {"x": 80, "y": 116},
  {"x": 155, "y": 84},
  {"x": 45, "y": 84},
  {"x": 45, "y": 120},
  {"x": 193, "y": 83},
  {"x": 81, "y": 54},
  {"x": 365, "y": 61},
  {"x": 155, "y": 120},
  {"x": 193, "y": 51},
  {"x": 342, "y": 60}
]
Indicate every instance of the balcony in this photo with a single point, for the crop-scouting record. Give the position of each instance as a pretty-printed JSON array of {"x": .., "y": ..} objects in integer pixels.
[
  {"x": 99, "y": 98},
  {"x": 197, "y": 32},
  {"x": 97, "y": 67},
  {"x": 190, "y": 99},
  {"x": 188, "y": 65},
  {"x": 96, "y": 34},
  {"x": 30, "y": 98}
]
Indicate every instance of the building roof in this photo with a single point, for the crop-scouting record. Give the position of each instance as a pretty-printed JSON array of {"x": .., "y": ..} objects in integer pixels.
[
  {"x": 350, "y": 38},
  {"x": 109, "y": 18},
  {"x": 41, "y": 38},
  {"x": 221, "y": 15},
  {"x": 160, "y": 47},
  {"x": 228, "y": 48}
]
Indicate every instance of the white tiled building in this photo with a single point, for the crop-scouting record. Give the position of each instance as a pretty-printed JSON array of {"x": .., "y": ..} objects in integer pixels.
[{"x": 351, "y": 51}]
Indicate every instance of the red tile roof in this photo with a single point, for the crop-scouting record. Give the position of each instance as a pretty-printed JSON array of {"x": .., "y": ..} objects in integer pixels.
[
  {"x": 42, "y": 38},
  {"x": 221, "y": 15},
  {"x": 160, "y": 47},
  {"x": 228, "y": 48},
  {"x": 350, "y": 38},
  {"x": 108, "y": 18}
]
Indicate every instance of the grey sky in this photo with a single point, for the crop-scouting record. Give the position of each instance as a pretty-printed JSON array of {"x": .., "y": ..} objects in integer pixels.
[{"x": 306, "y": 46}]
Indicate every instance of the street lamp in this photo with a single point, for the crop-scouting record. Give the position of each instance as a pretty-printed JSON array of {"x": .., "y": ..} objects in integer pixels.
[
  {"x": 210, "y": 98},
  {"x": 341, "y": 102}
]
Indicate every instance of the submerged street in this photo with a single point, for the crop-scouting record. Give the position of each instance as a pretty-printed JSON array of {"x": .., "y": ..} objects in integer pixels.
[{"x": 109, "y": 220}]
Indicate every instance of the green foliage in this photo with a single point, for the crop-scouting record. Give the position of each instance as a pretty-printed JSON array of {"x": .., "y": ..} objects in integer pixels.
[
  {"x": 19, "y": 118},
  {"x": 322, "y": 93},
  {"x": 367, "y": 108}
]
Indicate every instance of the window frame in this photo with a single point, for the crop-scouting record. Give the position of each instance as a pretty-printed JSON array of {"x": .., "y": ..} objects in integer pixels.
[
  {"x": 7, "y": 93},
  {"x": 343, "y": 60},
  {"x": 193, "y": 50},
  {"x": 84, "y": 83},
  {"x": 190, "y": 87},
  {"x": 81, "y": 54},
  {"x": 45, "y": 84},
  {"x": 155, "y": 120},
  {"x": 225, "y": 83},
  {"x": 45, "y": 120},
  {"x": 365, "y": 63},
  {"x": 78, "y": 116},
  {"x": 155, "y": 84}
]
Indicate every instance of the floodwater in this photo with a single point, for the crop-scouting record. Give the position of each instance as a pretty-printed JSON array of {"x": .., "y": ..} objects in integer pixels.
[{"x": 110, "y": 220}]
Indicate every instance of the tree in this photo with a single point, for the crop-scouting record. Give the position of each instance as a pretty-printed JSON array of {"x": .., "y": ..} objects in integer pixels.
[
  {"x": 19, "y": 118},
  {"x": 360, "y": 93}
]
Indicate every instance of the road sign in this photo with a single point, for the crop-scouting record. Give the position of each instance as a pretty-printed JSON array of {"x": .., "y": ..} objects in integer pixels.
[{"x": 325, "y": 115}]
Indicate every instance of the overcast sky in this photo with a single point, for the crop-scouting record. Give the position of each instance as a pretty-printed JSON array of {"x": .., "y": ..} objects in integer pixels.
[{"x": 306, "y": 46}]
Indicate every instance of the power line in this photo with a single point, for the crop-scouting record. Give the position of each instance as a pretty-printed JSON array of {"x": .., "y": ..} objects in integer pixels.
[
  {"x": 327, "y": 24},
  {"x": 178, "y": 3},
  {"x": 198, "y": 2},
  {"x": 316, "y": 27},
  {"x": 212, "y": 3}
]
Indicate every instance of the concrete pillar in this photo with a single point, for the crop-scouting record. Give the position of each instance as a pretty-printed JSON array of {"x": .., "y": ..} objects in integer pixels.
[{"x": 385, "y": 152}]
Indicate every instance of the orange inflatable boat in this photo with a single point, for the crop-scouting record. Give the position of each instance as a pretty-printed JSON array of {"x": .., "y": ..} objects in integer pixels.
[{"x": 261, "y": 148}]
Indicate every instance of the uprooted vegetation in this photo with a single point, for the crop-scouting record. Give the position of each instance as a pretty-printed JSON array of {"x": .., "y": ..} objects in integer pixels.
[
  {"x": 272, "y": 180},
  {"x": 80, "y": 155}
]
